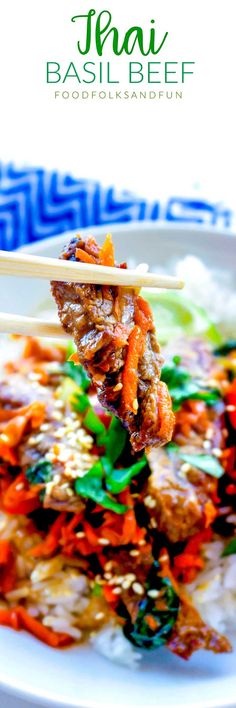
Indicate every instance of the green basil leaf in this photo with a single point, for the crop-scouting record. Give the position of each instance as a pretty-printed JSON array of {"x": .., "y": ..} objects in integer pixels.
[
  {"x": 191, "y": 391},
  {"x": 93, "y": 423},
  {"x": 70, "y": 349},
  {"x": 113, "y": 439},
  {"x": 138, "y": 630},
  {"x": 96, "y": 470},
  {"x": 91, "y": 488},
  {"x": 230, "y": 549},
  {"x": 173, "y": 374},
  {"x": 183, "y": 388},
  {"x": 80, "y": 402},
  {"x": 39, "y": 473},
  {"x": 118, "y": 480},
  {"x": 206, "y": 463},
  {"x": 77, "y": 373}
]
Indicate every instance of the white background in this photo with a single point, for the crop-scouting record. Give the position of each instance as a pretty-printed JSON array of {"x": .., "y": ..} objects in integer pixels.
[{"x": 155, "y": 147}]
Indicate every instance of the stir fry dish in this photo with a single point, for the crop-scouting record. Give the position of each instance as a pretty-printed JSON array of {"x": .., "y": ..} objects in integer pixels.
[
  {"x": 117, "y": 479},
  {"x": 115, "y": 337}
]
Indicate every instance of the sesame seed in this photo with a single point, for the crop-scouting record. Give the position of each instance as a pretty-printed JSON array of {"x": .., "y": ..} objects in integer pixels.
[
  {"x": 19, "y": 487},
  {"x": 126, "y": 584},
  {"x": 213, "y": 383},
  {"x": 153, "y": 523},
  {"x": 185, "y": 467},
  {"x": 38, "y": 438},
  {"x": 118, "y": 387},
  {"x": 59, "y": 433},
  {"x": 4, "y": 438},
  {"x": 44, "y": 427},
  {"x": 142, "y": 542},
  {"x": 108, "y": 576},
  {"x": 131, "y": 577},
  {"x": 164, "y": 557},
  {"x": 68, "y": 420},
  {"x": 135, "y": 405},
  {"x": 138, "y": 588},
  {"x": 153, "y": 593},
  {"x": 209, "y": 433},
  {"x": 119, "y": 580},
  {"x": 99, "y": 616},
  {"x": 80, "y": 534},
  {"x": 57, "y": 415},
  {"x": 108, "y": 565},
  {"x": 70, "y": 492},
  {"x": 217, "y": 452},
  {"x": 230, "y": 408},
  {"x": 33, "y": 376},
  {"x": 134, "y": 552},
  {"x": 149, "y": 502},
  {"x": 103, "y": 541},
  {"x": 117, "y": 591},
  {"x": 31, "y": 440}
]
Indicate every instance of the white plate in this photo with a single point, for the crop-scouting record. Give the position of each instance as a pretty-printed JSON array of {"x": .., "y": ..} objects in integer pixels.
[{"x": 78, "y": 676}]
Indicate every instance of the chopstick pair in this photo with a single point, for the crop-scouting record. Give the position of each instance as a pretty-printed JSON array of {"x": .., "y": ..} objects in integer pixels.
[{"x": 29, "y": 266}]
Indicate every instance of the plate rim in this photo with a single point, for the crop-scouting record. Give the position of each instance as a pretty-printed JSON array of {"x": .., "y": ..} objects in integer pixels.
[{"x": 15, "y": 688}]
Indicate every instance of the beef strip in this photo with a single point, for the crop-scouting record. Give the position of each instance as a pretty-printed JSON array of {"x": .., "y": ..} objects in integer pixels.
[
  {"x": 100, "y": 320},
  {"x": 190, "y": 632},
  {"x": 17, "y": 391},
  {"x": 181, "y": 493}
]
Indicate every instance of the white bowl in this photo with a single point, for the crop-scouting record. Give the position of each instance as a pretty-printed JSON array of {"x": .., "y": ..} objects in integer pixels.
[{"x": 78, "y": 676}]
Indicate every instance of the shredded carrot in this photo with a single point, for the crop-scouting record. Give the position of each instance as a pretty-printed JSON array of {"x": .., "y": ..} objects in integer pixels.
[
  {"x": 84, "y": 256},
  {"x": 5, "y": 551},
  {"x": 210, "y": 513},
  {"x": 130, "y": 371},
  {"x": 166, "y": 416},
  {"x": 143, "y": 315},
  {"x": 37, "y": 351},
  {"x": 74, "y": 357},
  {"x": 18, "y": 618},
  {"x": 109, "y": 595},
  {"x": 188, "y": 563},
  {"x": 13, "y": 424},
  {"x": 151, "y": 622},
  {"x": 7, "y": 567},
  {"x": 18, "y": 498},
  {"x": 51, "y": 542},
  {"x": 106, "y": 252}
]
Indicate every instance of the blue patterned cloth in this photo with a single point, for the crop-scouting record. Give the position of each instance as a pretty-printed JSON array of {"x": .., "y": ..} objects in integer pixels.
[{"x": 36, "y": 204}]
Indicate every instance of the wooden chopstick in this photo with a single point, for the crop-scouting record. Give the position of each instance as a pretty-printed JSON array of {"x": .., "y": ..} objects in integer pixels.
[
  {"x": 30, "y": 326},
  {"x": 28, "y": 266}
]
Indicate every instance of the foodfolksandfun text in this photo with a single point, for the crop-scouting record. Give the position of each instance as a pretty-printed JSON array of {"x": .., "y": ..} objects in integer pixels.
[{"x": 100, "y": 33}]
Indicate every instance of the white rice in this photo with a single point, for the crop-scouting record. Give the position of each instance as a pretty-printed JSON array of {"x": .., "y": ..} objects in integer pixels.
[
  {"x": 211, "y": 289},
  {"x": 111, "y": 643},
  {"x": 214, "y": 590}
]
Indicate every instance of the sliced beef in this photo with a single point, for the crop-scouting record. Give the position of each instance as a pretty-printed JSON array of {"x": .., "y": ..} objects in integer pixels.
[
  {"x": 104, "y": 321},
  {"x": 16, "y": 391},
  {"x": 180, "y": 491},
  {"x": 190, "y": 633}
]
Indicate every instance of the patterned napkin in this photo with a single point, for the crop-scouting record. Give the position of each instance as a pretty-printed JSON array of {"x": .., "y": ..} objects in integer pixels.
[{"x": 36, "y": 204}]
